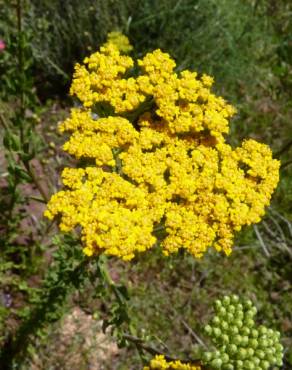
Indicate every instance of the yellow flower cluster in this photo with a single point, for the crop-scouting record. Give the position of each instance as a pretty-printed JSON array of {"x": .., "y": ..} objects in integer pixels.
[
  {"x": 156, "y": 167},
  {"x": 159, "y": 363},
  {"x": 183, "y": 103},
  {"x": 120, "y": 41}
]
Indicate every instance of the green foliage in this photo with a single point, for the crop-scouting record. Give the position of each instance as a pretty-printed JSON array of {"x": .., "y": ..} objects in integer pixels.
[
  {"x": 67, "y": 273},
  {"x": 21, "y": 145},
  {"x": 225, "y": 38},
  {"x": 65, "y": 31},
  {"x": 17, "y": 117},
  {"x": 70, "y": 272}
]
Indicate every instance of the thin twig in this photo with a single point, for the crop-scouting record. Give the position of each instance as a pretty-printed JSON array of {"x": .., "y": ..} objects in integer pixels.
[
  {"x": 262, "y": 243},
  {"x": 3, "y": 122},
  {"x": 34, "y": 178},
  {"x": 37, "y": 199},
  {"x": 278, "y": 227},
  {"x": 269, "y": 231},
  {"x": 238, "y": 248},
  {"x": 288, "y": 223},
  {"x": 152, "y": 350},
  {"x": 191, "y": 331},
  {"x": 193, "y": 334}
]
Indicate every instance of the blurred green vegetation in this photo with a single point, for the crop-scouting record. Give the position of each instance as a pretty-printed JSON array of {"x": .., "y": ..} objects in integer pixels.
[
  {"x": 228, "y": 38},
  {"x": 247, "y": 46}
]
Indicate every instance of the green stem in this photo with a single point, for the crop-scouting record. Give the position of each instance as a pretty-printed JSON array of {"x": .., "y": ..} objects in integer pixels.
[
  {"x": 35, "y": 180},
  {"x": 3, "y": 122},
  {"x": 20, "y": 56},
  {"x": 109, "y": 281}
]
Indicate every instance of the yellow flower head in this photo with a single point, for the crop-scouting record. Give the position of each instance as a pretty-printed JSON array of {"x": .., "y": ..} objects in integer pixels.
[
  {"x": 120, "y": 41},
  {"x": 156, "y": 169},
  {"x": 160, "y": 363}
]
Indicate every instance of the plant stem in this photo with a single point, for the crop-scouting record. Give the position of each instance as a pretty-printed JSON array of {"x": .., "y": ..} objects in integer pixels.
[
  {"x": 152, "y": 350},
  {"x": 34, "y": 178}
]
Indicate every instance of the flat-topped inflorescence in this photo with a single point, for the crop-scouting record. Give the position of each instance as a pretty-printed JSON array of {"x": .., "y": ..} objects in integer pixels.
[
  {"x": 240, "y": 343},
  {"x": 155, "y": 165}
]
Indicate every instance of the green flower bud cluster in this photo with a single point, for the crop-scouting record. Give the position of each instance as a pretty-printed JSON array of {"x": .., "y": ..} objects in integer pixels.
[{"x": 239, "y": 342}]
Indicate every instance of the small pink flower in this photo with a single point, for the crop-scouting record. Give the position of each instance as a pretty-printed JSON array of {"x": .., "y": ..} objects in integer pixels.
[{"x": 2, "y": 45}]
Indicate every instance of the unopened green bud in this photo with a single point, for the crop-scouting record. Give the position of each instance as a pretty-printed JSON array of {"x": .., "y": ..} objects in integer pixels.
[
  {"x": 234, "y": 330},
  {"x": 237, "y": 339},
  {"x": 274, "y": 338},
  {"x": 216, "y": 363},
  {"x": 234, "y": 298},
  {"x": 208, "y": 329},
  {"x": 217, "y": 354},
  {"x": 239, "y": 315},
  {"x": 247, "y": 303},
  {"x": 242, "y": 354},
  {"x": 224, "y": 325},
  {"x": 238, "y": 323},
  {"x": 253, "y": 343},
  {"x": 260, "y": 354},
  {"x": 254, "y": 310},
  {"x": 269, "y": 351},
  {"x": 245, "y": 331},
  {"x": 272, "y": 359},
  {"x": 249, "y": 365},
  {"x": 244, "y": 340},
  {"x": 279, "y": 360},
  {"x": 239, "y": 364},
  {"x": 207, "y": 357},
  {"x": 216, "y": 320},
  {"x": 225, "y": 358},
  {"x": 277, "y": 334},
  {"x": 217, "y": 332},
  {"x": 231, "y": 308},
  {"x": 249, "y": 323},
  {"x": 250, "y": 352},
  {"x": 231, "y": 349},
  {"x": 263, "y": 343},
  {"x": 225, "y": 339},
  {"x": 254, "y": 333},
  {"x": 265, "y": 365},
  {"x": 228, "y": 367},
  {"x": 249, "y": 314},
  {"x": 218, "y": 303},
  {"x": 222, "y": 311},
  {"x": 263, "y": 330},
  {"x": 229, "y": 317},
  {"x": 226, "y": 301},
  {"x": 271, "y": 333},
  {"x": 239, "y": 307},
  {"x": 256, "y": 361},
  {"x": 279, "y": 347}
]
